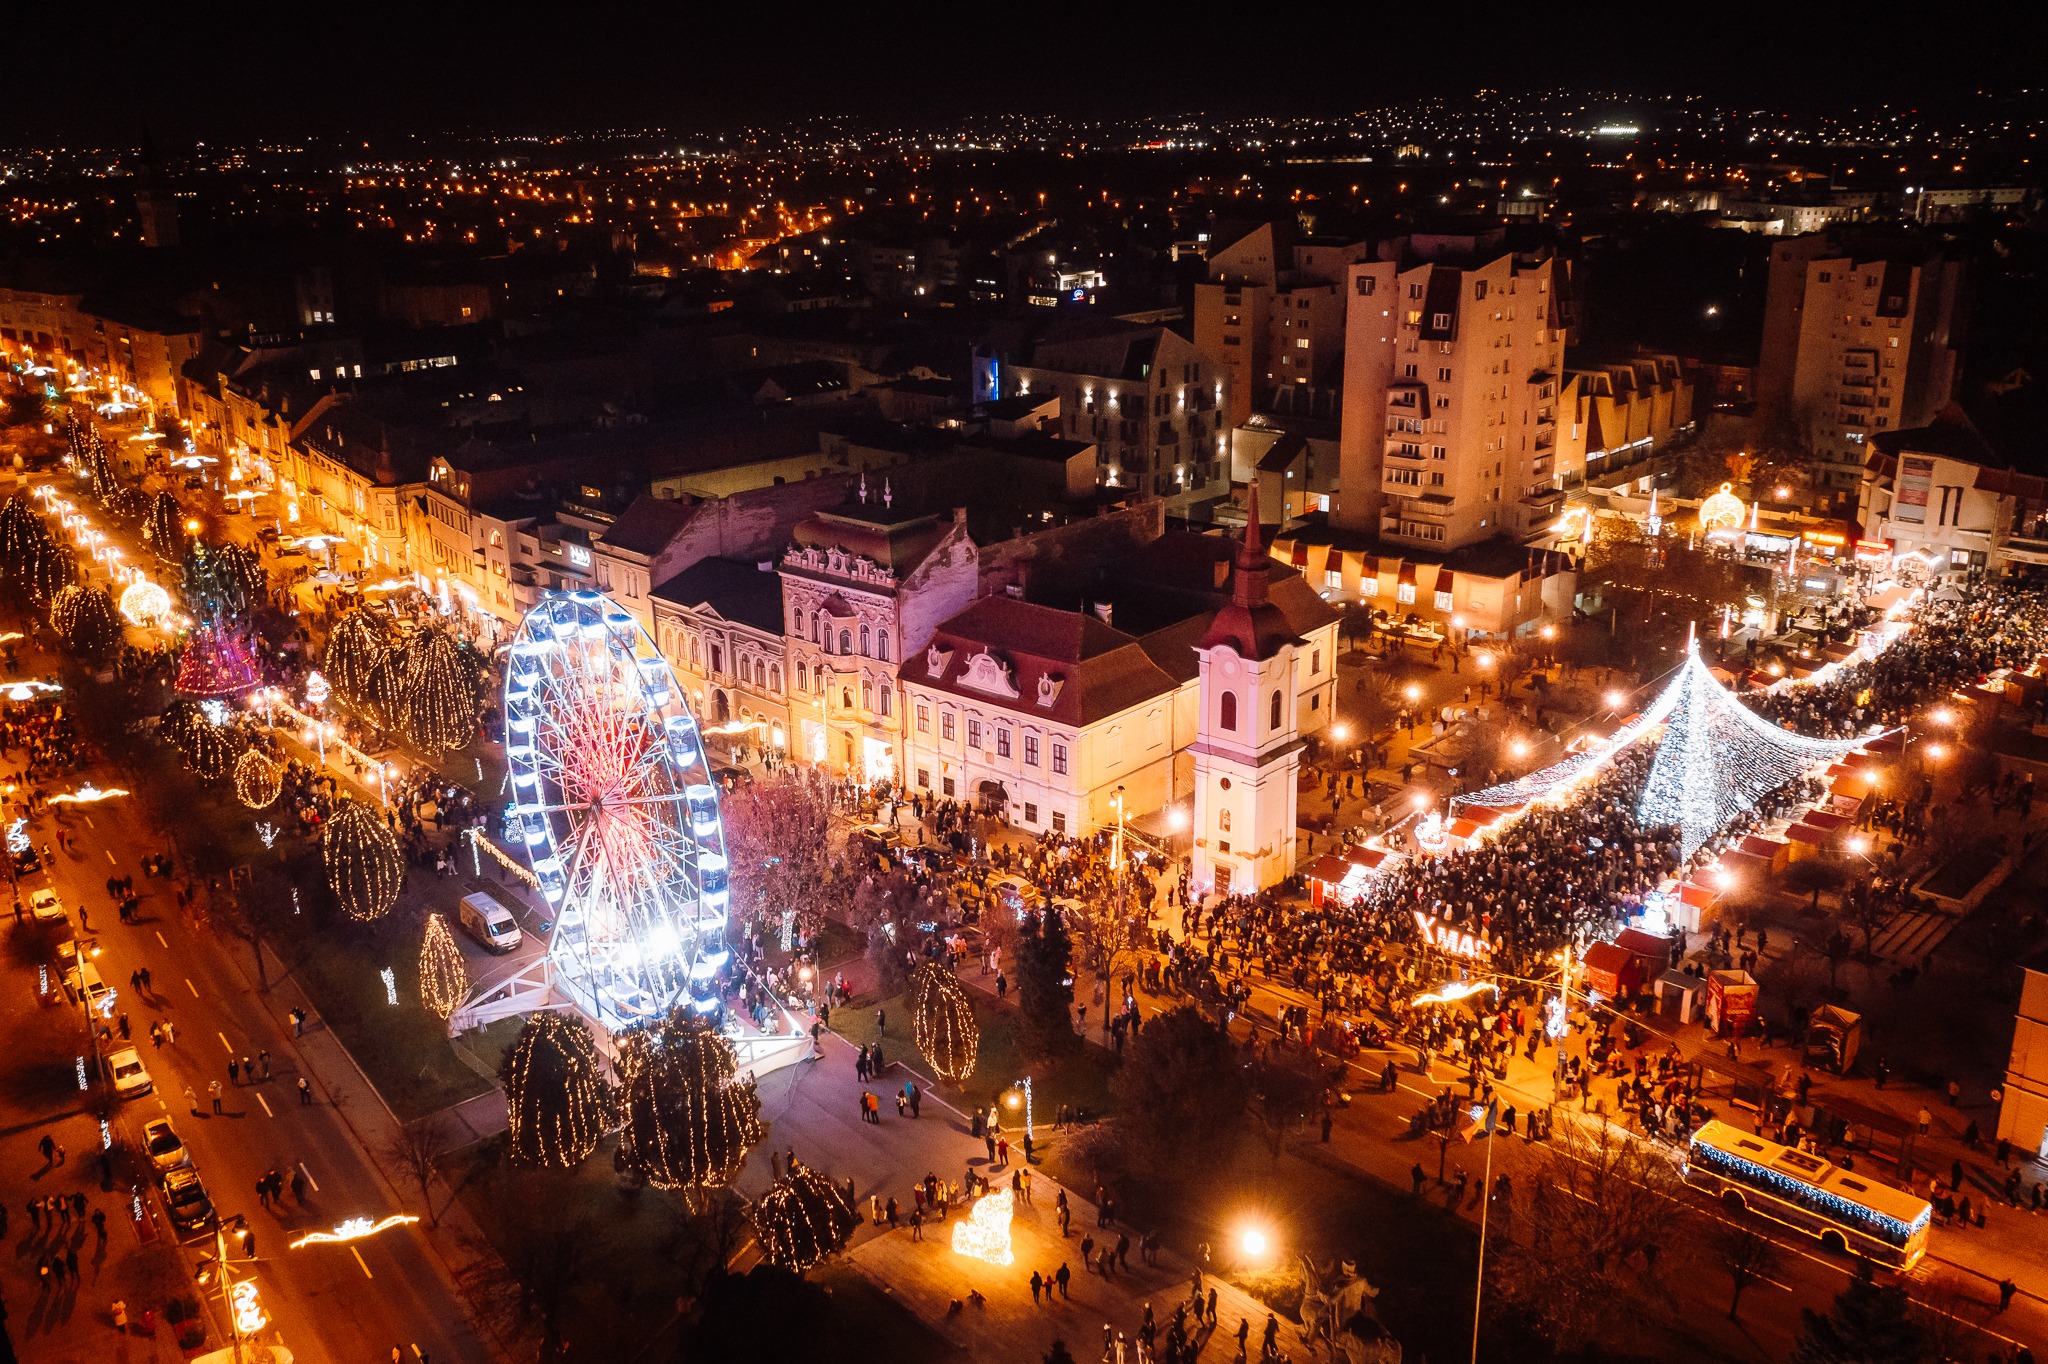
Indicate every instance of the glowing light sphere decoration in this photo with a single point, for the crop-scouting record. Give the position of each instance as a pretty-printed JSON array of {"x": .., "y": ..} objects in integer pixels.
[
  {"x": 803, "y": 1219},
  {"x": 1723, "y": 511},
  {"x": 557, "y": 1103},
  {"x": 365, "y": 866},
  {"x": 144, "y": 602},
  {"x": 616, "y": 812},
  {"x": 444, "y": 980},
  {"x": 689, "y": 1118},
  {"x": 259, "y": 779},
  {"x": 942, "y": 1021}
]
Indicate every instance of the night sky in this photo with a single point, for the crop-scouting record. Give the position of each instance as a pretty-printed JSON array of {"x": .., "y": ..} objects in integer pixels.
[{"x": 227, "y": 71}]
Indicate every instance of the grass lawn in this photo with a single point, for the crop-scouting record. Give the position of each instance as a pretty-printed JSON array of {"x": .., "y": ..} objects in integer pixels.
[
  {"x": 885, "y": 1327},
  {"x": 1079, "y": 1081}
]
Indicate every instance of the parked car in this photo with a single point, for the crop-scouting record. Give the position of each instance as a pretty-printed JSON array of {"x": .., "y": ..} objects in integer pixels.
[
  {"x": 489, "y": 922},
  {"x": 166, "y": 1148},
  {"x": 27, "y": 862},
  {"x": 130, "y": 1076},
  {"x": 186, "y": 1199},
  {"x": 46, "y": 907}
]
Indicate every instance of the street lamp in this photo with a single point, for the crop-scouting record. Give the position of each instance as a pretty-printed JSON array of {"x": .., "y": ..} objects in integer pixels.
[{"x": 1485, "y": 1115}]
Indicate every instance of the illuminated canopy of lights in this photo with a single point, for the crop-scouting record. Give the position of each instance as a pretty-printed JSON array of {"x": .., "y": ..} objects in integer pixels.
[
  {"x": 616, "y": 811},
  {"x": 355, "y": 1229},
  {"x": 26, "y": 691},
  {"x": 87, "y": 795},
  {"x": 985, "y": 1235}
]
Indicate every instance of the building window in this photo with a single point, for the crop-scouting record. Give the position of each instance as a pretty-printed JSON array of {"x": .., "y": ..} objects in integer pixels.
[
  {"x": 1405, "y": 594},
  {"x": 924, "y": 778},
  {"x": 1369, "y": 587},
  {"x": 775, "y": 677},
  {"x": 946, "y": 787},
  {"x": 846, "y": 641},
  {"x": 1443, "y": 601},
  {"x": 1226, "y": 711},
  {"x": 846, "y": 698},
  {"x": 886, "y": 702},
  {"x": 867, "y": 695},
  {"x": 974, "y": 734},
  {"x": 1223, "y": 820},
  {"x": 1273, "y": 720},
  {"x": 946, "y": 725},
  {"x": 1002, "y": 742},
  {"x": 1059, "y": 821},
  {"x": 882, "y": 645},
  {"x": 796, "y": 617},
  {"x": 1059, "y": 758},
  {"x": 865, "y": 642},
  {"x": 1031, "y": 750},
  {"x": 1315, "y": 662},
  {"x": 924, "y": 718},
  {"x": 1030, "y": 813},
  {"x": 1333, "y": 579}
]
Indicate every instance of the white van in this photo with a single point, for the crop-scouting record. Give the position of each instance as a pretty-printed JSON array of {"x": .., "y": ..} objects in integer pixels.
[{"x": 490, "y": 923}]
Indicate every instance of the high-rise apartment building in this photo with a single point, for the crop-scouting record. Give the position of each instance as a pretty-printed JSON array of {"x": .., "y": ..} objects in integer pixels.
[
  {"x": 1453, "y": 367},
  {"x": 1272, "y": 313},
  {"x": 1859, "y": 338}
]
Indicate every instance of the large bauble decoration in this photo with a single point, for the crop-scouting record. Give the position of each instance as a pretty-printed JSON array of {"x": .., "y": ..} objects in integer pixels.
[
  {"x": 444, "y": 978},
  {"x": 942, "y": 1022},
  {"x": 259, "y": 779}
]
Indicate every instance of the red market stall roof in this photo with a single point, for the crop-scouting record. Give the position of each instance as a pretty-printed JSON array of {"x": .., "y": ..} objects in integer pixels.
[
  {"x": 1759, "y": 846},
  {"x": 1463, "y": 828},
  {"x": 1737, "y": 862},
  {"x": 1329, "y": 867},
  {"x": 1886, "y": 743},
  {"x": 1645, "y": 945},
  {"x": 1608, "y": 967},
  {"x": 1826, "y": 819},
  {"x": 1485, "y": 816},
  {"x": 1697, "y": 895},
  {"x": 1806, "y": 833}
]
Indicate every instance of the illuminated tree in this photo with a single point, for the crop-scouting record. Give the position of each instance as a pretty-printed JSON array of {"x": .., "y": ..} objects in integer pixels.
[
  {"x": 365, "y": 866},
  {"x": 85, "y": 618},
  {"x": 775, "y": 834},
  {"x": 444, "y": 979},
  {"x": 259, "y": 779},
  {"x": 803, "y": 1219},
  {"x": 209, "y": 749},
  {"x": 942, "y": 1020},
  {"x": 222, "y": 581},
  {"x": 164, "y": 528},
  {"x": 557, "y": 1101},
  {"x": 689, "y": 1118},
  {"x": 358, "y": 642},
  {"x": 384, "y": 699},
  {"x": 442, "y": 698}
]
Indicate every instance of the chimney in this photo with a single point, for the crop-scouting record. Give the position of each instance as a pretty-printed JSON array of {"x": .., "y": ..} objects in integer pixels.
[{"x": 959, "y": 516}]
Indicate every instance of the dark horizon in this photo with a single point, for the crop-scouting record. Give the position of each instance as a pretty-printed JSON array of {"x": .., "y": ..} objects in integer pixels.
[{"x": 246, "y": 74}]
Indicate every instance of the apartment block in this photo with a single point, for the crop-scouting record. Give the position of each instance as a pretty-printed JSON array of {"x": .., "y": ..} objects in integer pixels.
[
  {"x": 1453, "y": 371},
  {"x": 1271, "y": 314},
  {"x": 1857, "y": 341}
]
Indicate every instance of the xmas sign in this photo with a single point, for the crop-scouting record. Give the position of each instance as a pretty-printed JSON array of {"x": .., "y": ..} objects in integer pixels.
[{"x": 1443, "y": 936}]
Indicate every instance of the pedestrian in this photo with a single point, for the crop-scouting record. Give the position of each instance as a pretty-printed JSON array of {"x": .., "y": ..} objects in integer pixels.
[
  {"x": 1955, "y": 1093},
  {"x": 264, "y": 1057},
  {"x": 213, "y": 1089},
  {"x": 2006, "y": 1289},
  {"x": 35, "y": 1215},
  {"x": 191, "y": 1100},
  {"x": 1212, "y": 1306},
  {"x": 1087, "y": 1253},
  {"x": 1061, "y": 1277},
  {"x": 1416, "y": 1176},
  {"x": 298, "y": 1186},
  {"x": 123, "y": 1025},
  {"x": 1037, "y": 1283},
  {"x": 48, "y": 1146},
  {"x": 99, "y": 1224},
  {"x": 305, "y": 1091},
  {"x": 234, "y": 1071},
  {"x": 263, "y": 1190},
  {"x": 1925, "y": 1119}
]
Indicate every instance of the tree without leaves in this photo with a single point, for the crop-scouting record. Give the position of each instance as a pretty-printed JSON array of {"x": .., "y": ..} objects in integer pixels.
[
  {"x": 1287, "y": 1085},
  {"x": 1748, "y": 1255},
  {"x": 417, "y": 1148},
  {"x": 1869, "y": 1322},
  {"x": 887, "y": 909},
  {"x": 548, "y": 1251},
  {"x": 1045, "y": 990},
  {"x": 1181, "y": 1091},
  {"x": 1598, "y": 1202},
  {"x": 775, "y": 831}
]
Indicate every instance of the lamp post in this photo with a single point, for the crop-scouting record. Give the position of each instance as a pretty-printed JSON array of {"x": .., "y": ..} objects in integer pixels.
[{"x": 1485, "y": 1115}]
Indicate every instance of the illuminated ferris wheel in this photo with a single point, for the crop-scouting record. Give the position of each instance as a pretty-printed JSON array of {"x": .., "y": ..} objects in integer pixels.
[{"x": 615, "y": 805}]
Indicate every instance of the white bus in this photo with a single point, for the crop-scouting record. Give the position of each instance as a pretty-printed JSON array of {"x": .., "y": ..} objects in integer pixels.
[{"x": 1788, "y": 1185}]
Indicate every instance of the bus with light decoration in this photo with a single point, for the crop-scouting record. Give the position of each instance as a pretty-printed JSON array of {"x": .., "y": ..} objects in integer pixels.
[{"x": 1844, "y": 1211}]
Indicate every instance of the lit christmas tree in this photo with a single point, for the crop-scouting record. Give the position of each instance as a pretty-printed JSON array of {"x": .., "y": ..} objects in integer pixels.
[
  {"x": 803, "y": 1219},
  {"x": 218, "y": 662},
  {"x": 444, "y": 980},
  {"x": 556, "y": 1100},
  {"x": 365, "y": 866},
  {"x": 942, "y": 1021},
  {"x": 689, "y": 1119}
]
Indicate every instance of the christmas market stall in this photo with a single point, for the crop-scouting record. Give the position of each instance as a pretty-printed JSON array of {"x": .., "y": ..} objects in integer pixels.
[
  {"x": 1731, "y": 1002},
  {"x": 1833, "y": 1036}
]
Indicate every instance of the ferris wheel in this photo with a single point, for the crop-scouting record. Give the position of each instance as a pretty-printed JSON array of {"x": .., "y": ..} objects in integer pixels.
[{"x": 614, "y": 802}]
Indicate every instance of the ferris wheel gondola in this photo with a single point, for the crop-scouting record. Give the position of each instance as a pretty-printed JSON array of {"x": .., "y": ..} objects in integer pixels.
[{"x": 614, "y": 804}]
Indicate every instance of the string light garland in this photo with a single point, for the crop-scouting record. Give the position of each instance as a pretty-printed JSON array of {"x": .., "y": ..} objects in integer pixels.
[
  {"x": 365, "y": 866},
  {"x": 444, "y": 979},
  {"x": 84, "y": 618},
  {"x": 259, "y": 779},
  {"x": 164, "y": 528},
  {"x": 355, "y": 646},
  {"x": 942, "y": 1022},
  {"x": 557, "y": 1104},
  {"x": 689, "y": 1118},
  {"x": 441, "y": 703},
  {"x": 803, "y": 1219},
  {"x": 218, "y": 662},
  {"x": 384, "y": 697},
  {"x": 144, "y": 602}
]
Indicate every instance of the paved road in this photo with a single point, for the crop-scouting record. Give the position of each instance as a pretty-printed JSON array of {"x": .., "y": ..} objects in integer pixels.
[{"x": 327, "y": 1303}]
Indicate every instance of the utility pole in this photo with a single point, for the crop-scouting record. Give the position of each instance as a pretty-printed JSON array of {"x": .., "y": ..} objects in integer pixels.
[{"x": 1561, "y": 1027}]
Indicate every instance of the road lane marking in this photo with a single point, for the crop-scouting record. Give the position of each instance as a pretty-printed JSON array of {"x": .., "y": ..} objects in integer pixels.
[
  {"x": 309, "y": 1176},
  {"x": 221, "y": 1035},
  {"x": 160, "y": 937},
  {"x": 110, "y": 857},
  {"x": 89, "y": 824},
  {"x": 266, "y": 1105},
  {"x": 359, "y": 1260},
  {"x": 190, "y": 986}
]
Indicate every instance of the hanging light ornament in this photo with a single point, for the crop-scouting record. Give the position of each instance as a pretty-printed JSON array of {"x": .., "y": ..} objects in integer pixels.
[
  {"x": 557, "y": 1103},
  {"x": 689, "y": 1118},
  {"x": 942, "y": 1021},
  {"x": 356, "y": 644},
  {"x": 444, "y": 980},
  {"x": 365, "y": 866},
  {"x": 144, "y": 602},
  {"x": 259, "y": 779},
  {"x": 440, "y": 701},
  {"x": 803, "y": 1219}
]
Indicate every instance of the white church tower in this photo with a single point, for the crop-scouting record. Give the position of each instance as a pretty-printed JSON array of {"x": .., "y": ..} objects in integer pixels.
[{"x": 1247, "y": 751}]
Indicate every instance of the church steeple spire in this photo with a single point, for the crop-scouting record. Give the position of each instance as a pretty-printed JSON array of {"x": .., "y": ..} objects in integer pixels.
[{"x": 1249, "y": 581}]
